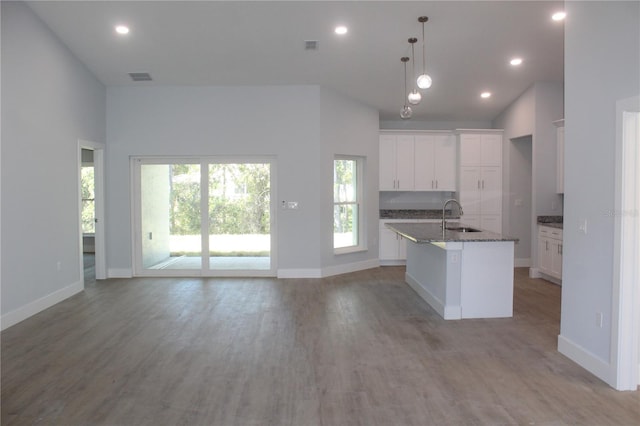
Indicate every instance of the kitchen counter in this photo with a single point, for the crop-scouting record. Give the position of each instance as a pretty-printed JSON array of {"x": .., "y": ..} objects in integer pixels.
[
  {"x": 432, "y": 232},
  {"x": 459, "y": 274}
]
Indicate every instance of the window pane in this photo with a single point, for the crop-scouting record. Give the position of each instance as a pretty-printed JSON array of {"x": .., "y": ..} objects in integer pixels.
[
  {"x": 344, "y": 181},
  {"x": 88, "y": 199},
  {"x": 345, "y": 225}
]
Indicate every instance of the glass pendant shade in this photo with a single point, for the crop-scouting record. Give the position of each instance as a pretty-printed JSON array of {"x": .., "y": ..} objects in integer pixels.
[
  {"x": 406, "y": 112},
  {"x": 424, "y": 81},
  {"x": 414, "y": 97}
]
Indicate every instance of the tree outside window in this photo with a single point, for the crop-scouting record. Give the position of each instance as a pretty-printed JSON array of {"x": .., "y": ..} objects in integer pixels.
[{"x": 88, "y": 199}]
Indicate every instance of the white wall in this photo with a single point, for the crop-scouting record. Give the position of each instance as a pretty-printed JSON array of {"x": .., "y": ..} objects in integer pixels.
[
  {"x": 602, "y": 65},
  {"x": 280, "y": 121},
  {"x": 532, "y": 114},
  {"x": 348, "y": 128},
  {"x": 49, "y": 101}
]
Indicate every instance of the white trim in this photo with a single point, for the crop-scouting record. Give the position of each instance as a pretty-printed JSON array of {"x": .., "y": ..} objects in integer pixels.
[
  {"x": 534, "y": 273},
  {"x": 350, "y": 267},
  {"x": 119, "y": 273},
  {"x": 584, "y": 358},
  {"x": 625, "y": 329},
  {"x": 39, "y": 305},
  {"x": 446, "y": 312},
  {"x": 300, "y": 273},
  {"x": 522, "y": 262}
]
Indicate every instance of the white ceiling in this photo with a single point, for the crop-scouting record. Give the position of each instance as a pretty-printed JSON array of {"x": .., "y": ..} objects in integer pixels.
[{"x": 469, "y": 45}]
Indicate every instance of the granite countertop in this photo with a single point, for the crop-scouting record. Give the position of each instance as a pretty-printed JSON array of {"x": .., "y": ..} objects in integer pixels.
[
  {"x": 551, "y": 221},
  {"x": 415, "y": 214},
  {"x": 432, "y": 232}
]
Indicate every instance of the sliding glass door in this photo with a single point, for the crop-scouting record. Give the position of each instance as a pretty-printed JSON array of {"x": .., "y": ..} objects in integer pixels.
[{"x": 207, "y": 217}]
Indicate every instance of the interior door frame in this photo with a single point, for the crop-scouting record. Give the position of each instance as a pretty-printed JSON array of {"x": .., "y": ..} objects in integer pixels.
[
  {"x": 99, "y": 193},
  {"x": 204, "y": 162},
  {"x": 625, "y": 333}
]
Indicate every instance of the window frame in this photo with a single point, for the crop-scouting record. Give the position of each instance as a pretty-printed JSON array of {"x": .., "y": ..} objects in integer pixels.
[{"x": 358, "y": 202}]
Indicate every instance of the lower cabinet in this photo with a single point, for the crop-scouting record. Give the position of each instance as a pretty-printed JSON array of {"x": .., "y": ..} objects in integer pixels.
[
  {"x": 550, "y": 251},
  {"x": 393, "y": 247}
]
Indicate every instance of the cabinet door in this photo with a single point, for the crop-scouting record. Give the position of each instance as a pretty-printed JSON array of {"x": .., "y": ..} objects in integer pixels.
[
  {"x": 491, "y": 190},
  {"x": 491, "y": 150},
  {"x": 424, "y": 163},
  {"x": 404, "y": 163},
  {"x": 544, "y": 255},
  {"x": 402, "y": 248},
  {"x": 387, "y": 171},
  {"x": 560, "y": 160},
  {"x": 470, "y": 190},
  {"x": 388, "y": 246},
  {"x": 555, "y": 255},
  {"x": 445, "y": 163},
  {"x": 470, "y": 150}
]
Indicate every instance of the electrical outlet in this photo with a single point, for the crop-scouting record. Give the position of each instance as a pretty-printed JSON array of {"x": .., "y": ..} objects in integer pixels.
[
  {"x": 599, "y": 319},
  {"x": 59, "y": 265}
]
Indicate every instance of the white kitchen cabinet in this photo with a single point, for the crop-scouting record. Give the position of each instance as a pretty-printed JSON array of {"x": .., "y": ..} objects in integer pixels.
[
  {"x": 435, "y": 163},
  {"x": 396, "y": 163},
  {"x": 550, "y": 251},
  {"x": 560, "y": 156},
  {"x": 480, "y": 183}
]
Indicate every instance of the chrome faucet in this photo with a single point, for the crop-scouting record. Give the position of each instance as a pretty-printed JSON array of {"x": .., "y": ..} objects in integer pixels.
[{"x": 444, "y": 220}]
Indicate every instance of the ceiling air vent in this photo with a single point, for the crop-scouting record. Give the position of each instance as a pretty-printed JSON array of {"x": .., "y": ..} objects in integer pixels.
[
  {"x": 140, "y": 76},
  {"x": 311, "y": 45}
]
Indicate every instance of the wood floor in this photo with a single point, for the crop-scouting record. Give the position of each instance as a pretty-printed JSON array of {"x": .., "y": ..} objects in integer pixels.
[{"x": 357, "y": 349}]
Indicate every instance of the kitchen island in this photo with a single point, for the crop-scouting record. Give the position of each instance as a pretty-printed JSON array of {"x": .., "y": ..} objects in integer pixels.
[{"x": 460, "y": 274}]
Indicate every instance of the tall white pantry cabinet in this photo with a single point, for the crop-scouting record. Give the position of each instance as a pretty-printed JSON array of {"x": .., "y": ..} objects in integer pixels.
[{"x": 480, "y": 178}]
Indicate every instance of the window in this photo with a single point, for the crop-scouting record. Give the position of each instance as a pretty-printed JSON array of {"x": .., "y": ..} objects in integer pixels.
[{"x": 347, "y": 204}]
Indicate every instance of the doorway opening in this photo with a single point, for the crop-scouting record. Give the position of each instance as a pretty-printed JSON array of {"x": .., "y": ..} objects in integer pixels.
[
  {"x": 520, "y": 220},
  {"x": 91, "y": 210},
  {"x": 209, "y": 217}
]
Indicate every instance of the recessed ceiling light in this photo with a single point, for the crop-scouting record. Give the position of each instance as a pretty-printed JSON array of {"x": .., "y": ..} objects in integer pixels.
[
  {"x": 516, "y": 61},
  {"x": 485, "y": 95},
  {"x": 559, "y": 16},
  {"x": 122, "y": 29},
  {"x": 341, "y": 29}
]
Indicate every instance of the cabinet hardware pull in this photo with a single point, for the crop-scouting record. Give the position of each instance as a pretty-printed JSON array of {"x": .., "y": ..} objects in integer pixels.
[
  {"x": 431, "y": 184},
  {"x": 546, "y": 246},
  {"x": 478, "y": 184},
  {"x": 482, "y": 183}
]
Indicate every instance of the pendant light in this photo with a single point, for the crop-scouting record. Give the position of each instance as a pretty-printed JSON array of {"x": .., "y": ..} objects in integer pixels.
[
  {"x": 424, "y": 80},
  {"x": 414, "y": 97},
  {"x": 405, "y": 112}
]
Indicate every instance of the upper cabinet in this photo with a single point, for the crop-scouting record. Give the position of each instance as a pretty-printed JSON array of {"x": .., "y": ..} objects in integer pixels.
[
  {"x": 435, "y": 163},
  {"x": 480, "y": 185},
  {"x": 420, "y": 161},
  {"x": 560, "y": 156},
  {"x": 396, "y": 163}
]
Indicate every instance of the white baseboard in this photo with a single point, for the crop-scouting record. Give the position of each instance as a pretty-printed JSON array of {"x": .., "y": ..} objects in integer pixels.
[
  {"x": 350, "y": 267},
  {"x": 522, "y": 262},
  {"x": 446, "y": 312},
  {"x": 39, "y": 305},
  {"x": 586, "y": 360},
  {"x": 392, "y": 262},
  {"x": 300, "y": 273},
  {"x": 119, "y": 273}
]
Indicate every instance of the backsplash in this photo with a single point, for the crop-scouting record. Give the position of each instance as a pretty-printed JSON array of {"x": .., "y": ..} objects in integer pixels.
[{"x": 413, "y": 200}]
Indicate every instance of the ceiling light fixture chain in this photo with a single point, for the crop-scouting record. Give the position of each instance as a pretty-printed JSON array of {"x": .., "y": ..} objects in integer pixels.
[
  {"x": 414, "y": 96},
  {"x": 424, "y": 80},
  {"x": 405, "y": 112}
]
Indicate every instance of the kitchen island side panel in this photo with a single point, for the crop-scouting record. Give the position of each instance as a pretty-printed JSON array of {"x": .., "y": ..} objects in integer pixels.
[{"x": 434, "y": 273}]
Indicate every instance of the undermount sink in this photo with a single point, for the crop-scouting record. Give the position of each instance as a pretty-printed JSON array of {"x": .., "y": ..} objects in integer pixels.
[{"x": 462, "y": 229}]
